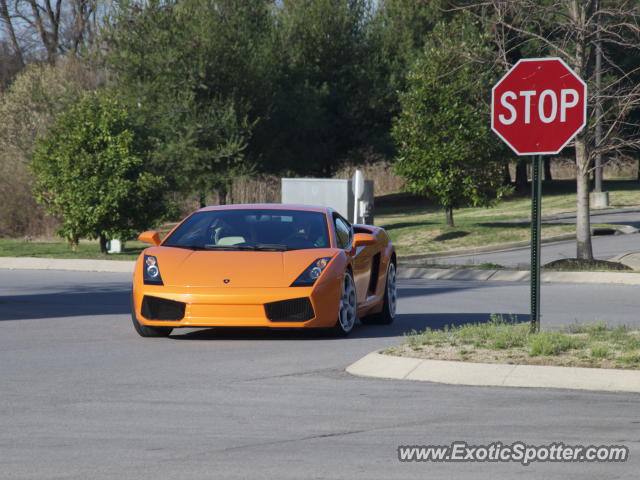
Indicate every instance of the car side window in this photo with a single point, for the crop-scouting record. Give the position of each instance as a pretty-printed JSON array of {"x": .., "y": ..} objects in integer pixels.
[{"x": 343, "y": 232}]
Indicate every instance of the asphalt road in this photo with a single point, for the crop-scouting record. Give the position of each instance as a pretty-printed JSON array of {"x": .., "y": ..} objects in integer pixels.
[
  {"x": 604, "y": 247},
  {"x": 83, "y": 397},
  {"x": 629, "y": 217}
]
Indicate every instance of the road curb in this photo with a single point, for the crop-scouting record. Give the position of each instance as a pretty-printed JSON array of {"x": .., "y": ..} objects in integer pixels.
[
  {"x": 82, "y": 265},
  {"x": 378, "y": 365},
  {"x": 468, "y": 274},
  {"x": 408, "y": 273}
]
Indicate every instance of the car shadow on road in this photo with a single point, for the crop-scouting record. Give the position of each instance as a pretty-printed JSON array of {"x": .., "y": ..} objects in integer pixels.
[
  {"x": 68, "y": 302},
  {"x": 404, "y": 323},
  {"x": 418, "y": 322},
  {"x": 114, "y": 299}
]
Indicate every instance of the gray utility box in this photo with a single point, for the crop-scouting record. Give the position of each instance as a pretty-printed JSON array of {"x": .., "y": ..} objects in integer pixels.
[{"x": 330, "y": 192}]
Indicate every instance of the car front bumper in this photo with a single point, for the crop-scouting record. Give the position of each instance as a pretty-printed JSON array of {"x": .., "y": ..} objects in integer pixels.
[{"x": 243, "y": 307}]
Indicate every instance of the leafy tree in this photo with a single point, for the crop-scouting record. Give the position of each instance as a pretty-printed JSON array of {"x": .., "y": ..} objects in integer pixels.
[
  {"x": 323, "y": 100},
  {"x": 445, "y": 148},
  {"x": 403, "y": 27},
  {"x": 226, "y": 87},
  {"x": 91, "y": 171},
  {"x": 196, "y": 75},
  {"x": 27, "y": 107}
]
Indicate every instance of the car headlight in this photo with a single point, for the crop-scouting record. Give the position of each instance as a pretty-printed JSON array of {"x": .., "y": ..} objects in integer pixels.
[
  {"x": 151, "y": 271},
  {"x": 311, "y": 273}
]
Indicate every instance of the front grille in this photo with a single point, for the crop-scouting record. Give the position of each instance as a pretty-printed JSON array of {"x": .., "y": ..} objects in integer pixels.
[
  {"x": 294, "y": 310},
  {"x": 154, "y": 308}
]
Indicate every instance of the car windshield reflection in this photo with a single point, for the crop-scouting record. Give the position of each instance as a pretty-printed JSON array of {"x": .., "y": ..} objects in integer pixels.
[{"x": 251, "y": 230}]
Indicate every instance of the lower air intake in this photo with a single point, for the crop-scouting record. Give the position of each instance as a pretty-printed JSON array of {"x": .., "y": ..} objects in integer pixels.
[
  {"x": 294, "y": 310},
  {"x": 154, "y": 308}
]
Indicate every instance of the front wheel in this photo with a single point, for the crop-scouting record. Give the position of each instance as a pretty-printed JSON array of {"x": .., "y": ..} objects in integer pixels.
[
  {"x": 145, "y": 330},
  {"x": 388, "y": 313},
  {"x": 348, "y": 307}
]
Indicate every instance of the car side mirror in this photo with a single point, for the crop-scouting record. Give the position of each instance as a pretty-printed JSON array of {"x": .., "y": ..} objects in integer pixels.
[
  {"x": 363, "y": 239},
  {"x": 151, "y": 237}
]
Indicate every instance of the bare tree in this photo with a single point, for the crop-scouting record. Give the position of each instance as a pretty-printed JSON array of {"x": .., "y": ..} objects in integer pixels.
[
  {"x": 572, "y": 29},
  {"x": 49, "y": 28},
  {"x": 7, "y": 21}
]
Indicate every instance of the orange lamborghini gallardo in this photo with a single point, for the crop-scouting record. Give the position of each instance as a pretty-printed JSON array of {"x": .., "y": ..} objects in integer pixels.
[{"x": 268, "y": 265}]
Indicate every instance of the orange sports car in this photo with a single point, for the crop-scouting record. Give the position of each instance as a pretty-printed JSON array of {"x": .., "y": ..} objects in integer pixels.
[{"x": 267, "y": 265}]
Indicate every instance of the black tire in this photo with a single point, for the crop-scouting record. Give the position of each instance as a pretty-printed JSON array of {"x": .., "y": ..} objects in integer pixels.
[
  {"x": 145, "y": 330},
  {"x": 346, "y": 320},
  {"x": 388, "y": 313}
]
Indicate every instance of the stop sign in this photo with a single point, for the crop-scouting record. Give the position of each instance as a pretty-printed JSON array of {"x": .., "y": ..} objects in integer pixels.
[{"x": 538, "y": 106}]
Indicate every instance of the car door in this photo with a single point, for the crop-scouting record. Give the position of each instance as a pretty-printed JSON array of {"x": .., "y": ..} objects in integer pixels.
[{"x": 361, "y": 256}]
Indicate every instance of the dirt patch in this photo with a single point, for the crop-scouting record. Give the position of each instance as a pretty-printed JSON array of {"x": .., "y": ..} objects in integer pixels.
[
  {"x": 578, "y": 265},
  {"x": 469, "y": 353}
]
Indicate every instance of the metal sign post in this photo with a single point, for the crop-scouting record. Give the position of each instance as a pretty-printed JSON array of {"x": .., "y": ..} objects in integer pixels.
[
  {"x": 537, "y": 108},
  {"x": 536, "y": 206}
]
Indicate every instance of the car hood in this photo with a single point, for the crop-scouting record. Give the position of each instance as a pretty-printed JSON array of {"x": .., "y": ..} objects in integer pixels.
[{"x": 215, "y": 268}]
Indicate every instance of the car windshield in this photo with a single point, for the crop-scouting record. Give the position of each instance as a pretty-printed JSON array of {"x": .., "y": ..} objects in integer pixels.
[{"x": 269, "y": 230}]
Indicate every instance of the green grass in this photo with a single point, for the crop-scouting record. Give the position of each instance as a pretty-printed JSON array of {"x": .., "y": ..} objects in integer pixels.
[
  {"x": 21, "y": 248},
  {"x": 553, "y": 343},
  {"x": 414, "y": 228},
  {"x": 421, "y": 228},
  {"x": 506, "y": 341}
]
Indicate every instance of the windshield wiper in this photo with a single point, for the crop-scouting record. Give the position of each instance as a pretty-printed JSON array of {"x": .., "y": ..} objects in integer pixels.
[
  {"x": 258, "y": 247},
  {"x": 271, "y": 246},
  {"x": 211, "y": 246}
]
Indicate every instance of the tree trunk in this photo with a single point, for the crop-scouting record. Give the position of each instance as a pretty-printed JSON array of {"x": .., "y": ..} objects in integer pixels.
[
  {"x": 222, "y": 194},
  {"x": 449, "y": 215},
  {"x": 521, "y": 176},
  {"x": 583, "y": 224},
  {"x": 103, "y": 244},
  {"x": 202, "y": 199},
  {"x": 577, "y": 11},
  {"x": 4, "y": 14},
  {"x": 73, "y": 243},
  {"x": 547, "y": 168},
  {"x": 506, "y": 178}
]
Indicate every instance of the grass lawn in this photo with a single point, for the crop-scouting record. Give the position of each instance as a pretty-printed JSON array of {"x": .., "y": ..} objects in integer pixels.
[
  {"x": 86, "y": 249},
  {"x": 500, "y": 341},
  {"x": 414, "y": 227},
  {"x": 422, "y": 229}
]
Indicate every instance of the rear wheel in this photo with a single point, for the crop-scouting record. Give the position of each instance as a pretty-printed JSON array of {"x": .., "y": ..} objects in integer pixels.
[
  {"x": 145, "y": 330},
  {"x": 348, "y": 307},
  {"x": 388, "y": 313}
]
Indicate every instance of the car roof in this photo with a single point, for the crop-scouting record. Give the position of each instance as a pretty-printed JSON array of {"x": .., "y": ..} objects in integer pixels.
[{"x": 268, "y": 206}]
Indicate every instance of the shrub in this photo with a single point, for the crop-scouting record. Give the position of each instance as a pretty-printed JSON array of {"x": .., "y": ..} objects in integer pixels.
[
  {"x": 92, "y": 172},
  {"x": 600, "y": 352},
  {"x": 27, "y": 108},
  {"x": 552, "y": 343}
]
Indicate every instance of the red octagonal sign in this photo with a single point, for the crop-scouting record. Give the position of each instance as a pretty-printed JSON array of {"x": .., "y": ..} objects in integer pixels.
[{"x": 538, "y": 106}]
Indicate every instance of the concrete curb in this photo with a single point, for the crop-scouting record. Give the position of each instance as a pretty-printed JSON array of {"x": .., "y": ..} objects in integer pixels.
[
  {"x": 378, "y": 365},
  {"x": 117, "y": 266},
  {"x": 82, "y": 265},
  {"x": 623, "y": 278}
]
